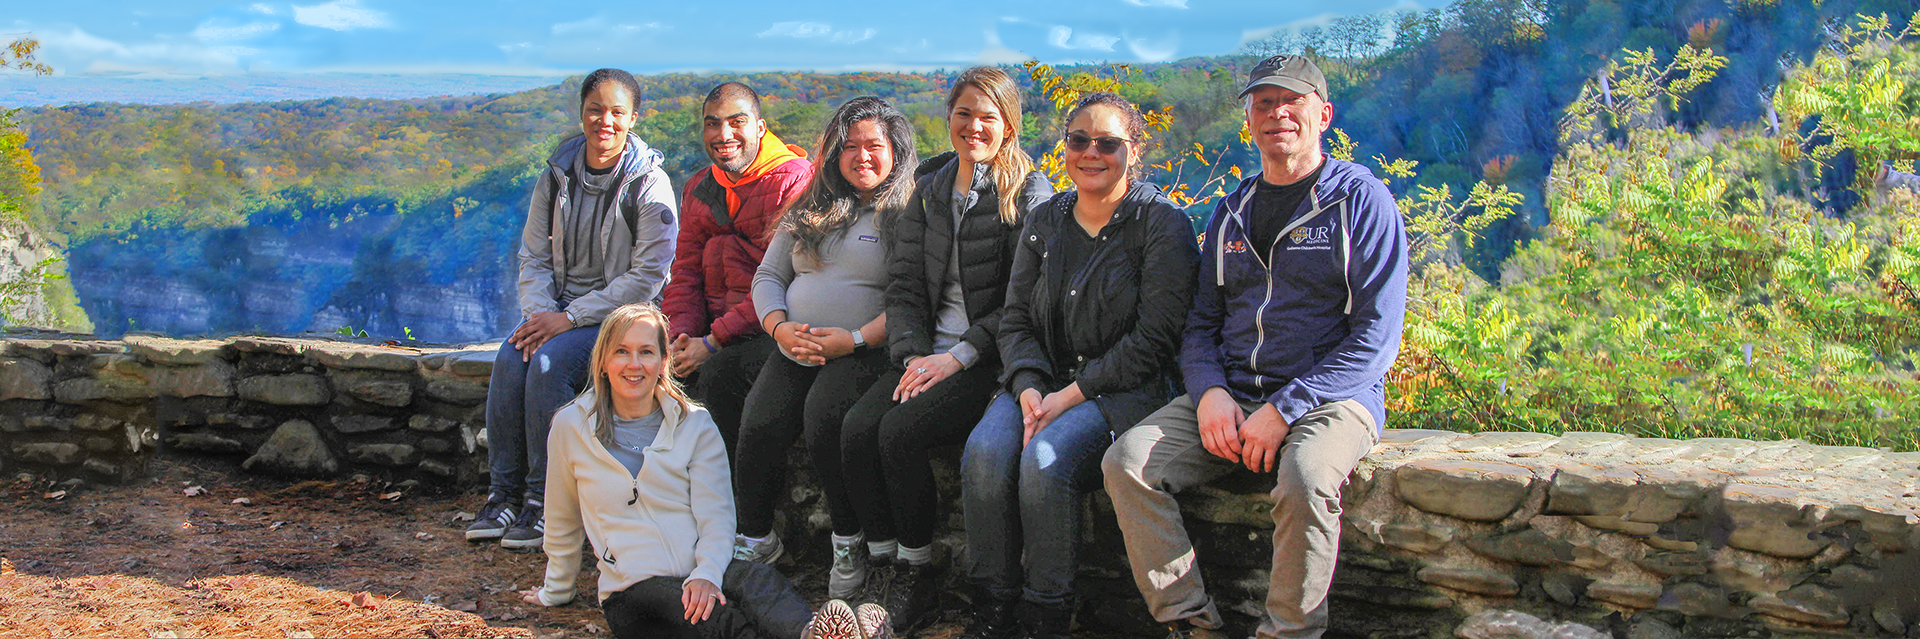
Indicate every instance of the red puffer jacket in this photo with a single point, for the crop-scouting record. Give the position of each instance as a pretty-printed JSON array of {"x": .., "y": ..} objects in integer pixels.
[{"x": 717, "y": 253}]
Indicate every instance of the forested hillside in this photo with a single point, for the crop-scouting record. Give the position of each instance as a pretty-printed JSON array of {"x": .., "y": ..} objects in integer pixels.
[{"x": 208, "y": 218}]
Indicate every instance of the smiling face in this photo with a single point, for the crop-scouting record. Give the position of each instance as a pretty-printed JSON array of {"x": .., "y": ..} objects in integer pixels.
[
  {"x": 1286, "y": 123},
  {"x": 1091, "y": 170},
  {"x": 975, "y": 126},
  {"x": 866, "y": 159},
  {"x": 633, "y": 367},
  {"x": 606, "y": 113},
  {"x": 730, "y": 133}
]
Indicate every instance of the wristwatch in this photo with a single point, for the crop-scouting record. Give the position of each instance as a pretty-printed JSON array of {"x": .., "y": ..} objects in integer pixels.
[
  {"x": 573, "y": 319},
  {"x": 859, "y": 341}
]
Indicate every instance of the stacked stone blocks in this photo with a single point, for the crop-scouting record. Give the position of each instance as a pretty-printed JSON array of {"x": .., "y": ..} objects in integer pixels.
[{"x": 1642, "y": 537}]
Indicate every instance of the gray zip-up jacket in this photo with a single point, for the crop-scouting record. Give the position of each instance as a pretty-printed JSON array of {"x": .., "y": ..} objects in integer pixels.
[{"x": 637, "y": 238}]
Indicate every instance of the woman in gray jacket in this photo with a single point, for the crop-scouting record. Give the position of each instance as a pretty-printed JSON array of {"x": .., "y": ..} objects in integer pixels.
[
  {"x": 599, "y": 234},
  {"x": 641, "y": 471}
]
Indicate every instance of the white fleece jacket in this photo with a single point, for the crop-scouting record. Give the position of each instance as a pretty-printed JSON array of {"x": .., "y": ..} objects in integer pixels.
[{"x": 674, "y": 519}]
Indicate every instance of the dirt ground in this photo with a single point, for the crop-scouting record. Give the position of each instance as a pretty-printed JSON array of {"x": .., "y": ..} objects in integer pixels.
[{"x": 193, "y": 522}]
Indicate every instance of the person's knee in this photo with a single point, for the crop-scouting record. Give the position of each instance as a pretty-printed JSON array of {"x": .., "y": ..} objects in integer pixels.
[
  {"x": 1302, "y": 484},
  {"x": 986, "y": 466},
  {"x": 896, "y": 435},
  {"x": 1122, "y": 466}
]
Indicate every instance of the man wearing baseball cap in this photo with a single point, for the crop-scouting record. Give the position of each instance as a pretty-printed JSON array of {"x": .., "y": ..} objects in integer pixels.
[{"x": 1295, "y": 321}]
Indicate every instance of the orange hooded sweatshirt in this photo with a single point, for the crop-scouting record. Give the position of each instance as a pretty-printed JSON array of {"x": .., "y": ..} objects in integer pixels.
[{"x": 773, "y": 152}]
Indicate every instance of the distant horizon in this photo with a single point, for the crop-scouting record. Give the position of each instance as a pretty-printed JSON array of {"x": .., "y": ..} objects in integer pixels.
[
  {"x": 26, "y": 91},
  {"x": 189, "y": 39}
]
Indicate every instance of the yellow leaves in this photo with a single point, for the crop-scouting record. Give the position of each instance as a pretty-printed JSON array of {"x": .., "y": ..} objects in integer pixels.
[{"x": 1342, "y": 146}]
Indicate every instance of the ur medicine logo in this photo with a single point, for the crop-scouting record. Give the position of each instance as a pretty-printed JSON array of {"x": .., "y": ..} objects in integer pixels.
[{"x": 1310, "y": 239}]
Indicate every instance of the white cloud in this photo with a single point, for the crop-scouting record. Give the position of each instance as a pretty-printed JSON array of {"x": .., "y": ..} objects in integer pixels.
[
  {"x": 75, "y": 51},
  {"x": 1065, "y": 38},
  {"x": 340, "y": 15},
  {"x": 996, "y": 52},
  {"x": 601, "y": 28},
  {"x": 805, "y": 30},
  {"x": 1170, "y": 4},
  {"x": 1160, "y": 50},
  {"x": 849, "y": 37},
  {"x": 217, "y": 31},
  {"x": 797, "y": 30},
  {"x": 263, "y": 8}
]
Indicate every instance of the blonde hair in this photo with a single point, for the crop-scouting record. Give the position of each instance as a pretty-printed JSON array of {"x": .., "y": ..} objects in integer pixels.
[
  {"x": 612, "y": 330},
  {"x": 1010, "y": 165}
]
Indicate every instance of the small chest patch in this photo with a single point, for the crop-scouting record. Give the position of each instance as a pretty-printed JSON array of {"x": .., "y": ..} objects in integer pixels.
[
  {"x": 1236, "y": 246},
  {"x": 1311, "y": 239},
  {"x": 870, "y": 238}
]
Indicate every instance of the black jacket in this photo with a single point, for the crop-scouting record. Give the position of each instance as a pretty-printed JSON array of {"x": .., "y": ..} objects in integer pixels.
[
  {"x": 923, "y": 240},
  {"x": 1127, "y": 307}
]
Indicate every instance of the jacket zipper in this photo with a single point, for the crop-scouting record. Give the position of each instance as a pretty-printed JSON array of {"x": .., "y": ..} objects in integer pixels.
[{"x": 1259, "y": 315}]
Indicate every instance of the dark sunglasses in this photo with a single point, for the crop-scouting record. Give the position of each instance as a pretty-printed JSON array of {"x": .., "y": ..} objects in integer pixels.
[{"x": 1107, "y": 145}]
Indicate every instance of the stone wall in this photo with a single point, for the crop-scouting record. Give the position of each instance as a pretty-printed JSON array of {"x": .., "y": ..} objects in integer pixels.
[
  {"x": 96, "y": 410},
  {"x": 1638, "y": 537}
]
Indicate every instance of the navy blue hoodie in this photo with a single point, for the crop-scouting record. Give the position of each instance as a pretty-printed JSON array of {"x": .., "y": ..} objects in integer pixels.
[{"x": 1319, "y": 325}]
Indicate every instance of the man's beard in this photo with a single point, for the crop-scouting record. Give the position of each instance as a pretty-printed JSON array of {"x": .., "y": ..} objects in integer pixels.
[{"x": 748, "y": 153}]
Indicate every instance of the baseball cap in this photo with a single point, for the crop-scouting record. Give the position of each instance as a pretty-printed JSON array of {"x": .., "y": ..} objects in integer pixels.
[{"x": 1292, "y": 72}]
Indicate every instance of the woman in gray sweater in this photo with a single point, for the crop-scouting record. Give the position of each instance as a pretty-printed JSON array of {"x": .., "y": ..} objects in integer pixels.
[{"x": 820, "y": 292}]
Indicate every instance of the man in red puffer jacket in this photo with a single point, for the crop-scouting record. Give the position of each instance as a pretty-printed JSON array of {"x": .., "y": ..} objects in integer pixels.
[{"x": 728, "y": 213}]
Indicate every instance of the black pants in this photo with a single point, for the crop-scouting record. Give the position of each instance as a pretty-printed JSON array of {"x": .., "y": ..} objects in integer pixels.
[
  {"x": 761, "y": 604},
  {"x": 885, "y": 447},
  {"x": 722, "y": 382},
  {"x": 788, "y": 400}
]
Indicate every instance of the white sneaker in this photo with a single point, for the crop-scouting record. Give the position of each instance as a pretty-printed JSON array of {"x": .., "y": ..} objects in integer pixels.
[
  {"x": 764, "y": 552},
  {"x": 849, "y": 571}
]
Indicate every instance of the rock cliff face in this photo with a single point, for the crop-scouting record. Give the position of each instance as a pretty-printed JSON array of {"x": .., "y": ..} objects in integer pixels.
[
  {"x": 289, "y": 276},
  {"x": 1636, "y": 537},
  {"x": 21, "y": 252}
]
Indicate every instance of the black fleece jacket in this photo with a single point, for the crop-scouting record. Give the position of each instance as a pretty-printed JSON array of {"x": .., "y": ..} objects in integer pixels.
[
  {"x": 1124, "y": 307},
  {"x": 923, "y": 240}
]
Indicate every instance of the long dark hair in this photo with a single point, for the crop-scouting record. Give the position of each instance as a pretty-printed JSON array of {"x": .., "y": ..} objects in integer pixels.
[{"x": 827, "y": 205}]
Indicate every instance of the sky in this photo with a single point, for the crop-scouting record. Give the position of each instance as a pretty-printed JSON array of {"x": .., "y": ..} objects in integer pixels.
[{"x": 528, "y": 38}]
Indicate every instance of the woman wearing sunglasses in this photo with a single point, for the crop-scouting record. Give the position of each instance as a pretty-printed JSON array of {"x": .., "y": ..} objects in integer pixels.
[{"x": 1100, "y": 287}]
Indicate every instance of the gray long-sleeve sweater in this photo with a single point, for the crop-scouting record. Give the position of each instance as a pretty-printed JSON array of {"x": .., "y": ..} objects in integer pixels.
[{"x": 846, "y": 288}]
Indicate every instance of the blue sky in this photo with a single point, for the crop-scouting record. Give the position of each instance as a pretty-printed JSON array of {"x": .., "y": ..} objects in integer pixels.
[{"x": 519, "y": 37}]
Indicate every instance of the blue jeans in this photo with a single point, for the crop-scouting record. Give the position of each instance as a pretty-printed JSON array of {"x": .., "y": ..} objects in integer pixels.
[
  {"x": 522, "y": 397},
  {"x": 1027, "y": 500}
]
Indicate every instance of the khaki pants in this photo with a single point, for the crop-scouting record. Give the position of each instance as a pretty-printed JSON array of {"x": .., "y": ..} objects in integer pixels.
[{"x": 1163, "y": 455}]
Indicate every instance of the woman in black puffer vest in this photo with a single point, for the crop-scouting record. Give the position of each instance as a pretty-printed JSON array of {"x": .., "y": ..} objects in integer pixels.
[{"x": 953, "y": 251}]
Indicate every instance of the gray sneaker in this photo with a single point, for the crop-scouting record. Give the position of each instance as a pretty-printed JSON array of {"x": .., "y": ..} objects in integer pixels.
[
  {"x": 849, "y": 571},
  {"x": 765, "y": 552},
  {"x": 493, "y": 521}
]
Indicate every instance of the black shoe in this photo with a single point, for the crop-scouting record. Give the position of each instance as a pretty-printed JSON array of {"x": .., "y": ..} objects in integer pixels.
[
  {"x": 1046, "y": 621},
  {"x": 528, "y": 531},
  {"x": 493, "y": 521},
  {"x": 879, "y": 579},
  {"x": 991, "y": 618},
  {"x": 913, "y": 596}
]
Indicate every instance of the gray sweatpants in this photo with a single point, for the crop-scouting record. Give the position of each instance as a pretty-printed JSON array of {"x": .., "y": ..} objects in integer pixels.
[{"x": 1163, "y": 455}]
